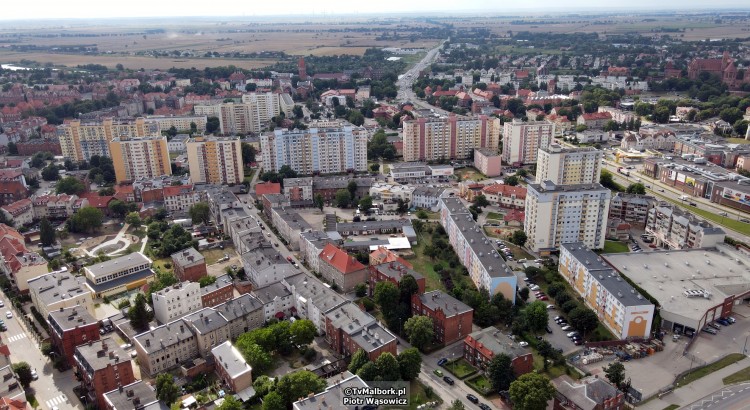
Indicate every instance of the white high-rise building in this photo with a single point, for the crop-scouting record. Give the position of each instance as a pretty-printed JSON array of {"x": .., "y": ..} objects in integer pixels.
[
  {"x": 316, "y": 150},
  {"x": 454, "y": 137},
  {"x": 522, "y": 140},
  {"x": 557, "y": 214},
  {"x": 566, "y": 166},
  {"x": 251, "y": 115}
]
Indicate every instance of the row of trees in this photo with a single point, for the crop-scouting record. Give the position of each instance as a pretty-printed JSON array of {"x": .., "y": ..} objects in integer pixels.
[
  {"x": 258, "y": 345},
  {"x": 404, "y": 366}
]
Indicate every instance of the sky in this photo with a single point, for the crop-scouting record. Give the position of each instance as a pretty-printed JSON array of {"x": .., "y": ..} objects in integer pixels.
[{"x": 56, "y": 9}]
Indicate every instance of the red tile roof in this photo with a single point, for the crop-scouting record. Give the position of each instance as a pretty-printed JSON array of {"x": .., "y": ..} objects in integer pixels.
[
  {"x": 514, "y": 215},
  {"x": 176, "y": 190},
  {"x": 505, "y": 190},
  {"x": 98, "y": 201},
  {"x": 10, "y": 173},
  {"x": 384, "y": 255},
  {"x": 11, "y": 404},
  {"x": 597, "y": 116},
  {"x": 267, "y": 188},
  {"x": 340, "y": 260},
  {"x": 18, "y": 207}
]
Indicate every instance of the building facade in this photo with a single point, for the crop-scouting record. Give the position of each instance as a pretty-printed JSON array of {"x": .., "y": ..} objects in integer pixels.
[
  {"x": 568, "y": 166},
  {"x": 189, "y": 265},
  {"x": 80, "y": 141},
  {"x": 429, "y": 139},
  {"x": 215, "y": 160},
  {"x": 102, "y": 366},
  {"x": 341, "y": 269},
  {"x": 482, "y": 346},
  {"x": 70, "y": 328},
  {"x": 522, "y": 140},
  {"x": 674, "y": 228},
  {"x": 133, "y": 159},
  {"x": 488, "y": 161},
  {"x": 176, "y": 301},
  {"x": 451, "y": 318}
]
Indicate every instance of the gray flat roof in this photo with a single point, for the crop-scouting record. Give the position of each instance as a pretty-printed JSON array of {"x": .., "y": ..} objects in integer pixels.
[
  {"x": 487, "y": 152},
  {"x": 239, "y": 306},
  {"x": 58, "y": 286},
  {"x": 9, "y": 385},
  {"x": 70, "y": 318},
  {"x": 332, "y": 397},
  {"x": 428, "y": 191},
  {"x": 372, "y": 337},
  {"x": 138, "y": 393},
  {"x": 315, "y": 291},
  {"x": 350, "y": 318},
  {"x": 359, "y": 226},
  {"x": 494, "y": 340},
  {"x": 101, "y": 353},
  {"x": 438, "y": 299},
  {"x": 293, "y": 219},
  {"x": 605, "y": 275},
  {"x": 165, "y": 335},
  {"x": 268, "y": 293},
  {"x": 487, "y": 255},
  {"x": 228, "y": 357},
  {"x": 118, "y": 264},
  {"x": 548, "y": 186},
  {"x": 120, "y": 281},
  {"x": 587, "y": 394},
  {"x": 297, "y": 182},
  {"x": 666, "y": 275},
  {"x": 340, "y": 182},
  {"x": 205, "y": 320},
  {"x": 396, "y": 270}
]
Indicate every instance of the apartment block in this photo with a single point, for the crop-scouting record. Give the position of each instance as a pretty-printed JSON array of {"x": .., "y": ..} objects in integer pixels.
[
  {"x": 299, "y": 189},
  {"x": 80, "y": 141},
  {"x": 61, "y": 289},
  {"x": 341, "y": 269},
  {"x": 290, "y": 225},
  {"x": 17, "y": 262},
  {"x": 189, "y": 265},
  {"x": 631, "y": 208},
  {"x": 485, "y": 266},
  {"x": 482, "y": 346},
  {"x": 557, "y": 214},
  {"x": 522, "y": 140},
  {"x": 430, "y": 139},
  {"x": 313, "y": 299},
  {"x": 568, "y": 166},
  {"x": 316, "y": 150},
  {"x": 232, "y": 369},
  {"x": 252, "y": 115},
  {"x": 488, "y": 161},
  {"x": 146, "y": 157},
  {"x": 165, "y": 347},
  {"x": 56, "y": 206},
  {"x": 181, "y": 123},
  {"x": 674, "y": 228},
  {"x": 210, "y": 329},
  {"x": 102, "y": 366},
  {"x": 176, "y": 301},
  {"x": 19, "y": 212},
  {"x": 119, "y": 274},
  {"x": 451, "y": 317},
  {"x": 349, "y": 328},
  {"x": 136, "y": 395},
  {"x": 71, "y": 327},
  {"x": 215, "y": 160},
  {"x": 617, "y": 304}
]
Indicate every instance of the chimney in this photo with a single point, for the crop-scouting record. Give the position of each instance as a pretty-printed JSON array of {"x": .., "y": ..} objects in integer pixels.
[
  {"x": 148, "y": 342},
  {"x": 120, "y": 389}
]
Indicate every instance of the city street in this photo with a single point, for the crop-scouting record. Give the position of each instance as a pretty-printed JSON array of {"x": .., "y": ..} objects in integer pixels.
[{"x": 52, "y": 388}]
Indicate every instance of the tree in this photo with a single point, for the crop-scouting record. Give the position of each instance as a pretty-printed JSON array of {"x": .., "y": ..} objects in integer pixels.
[
  {"x": 51, "y": 173},
  {"x": 546, "y": 350},
  {"x": 368, "y": 371},
  {"x": 525, "y": 294},
  {"x": 248, "y": 153},
  {"x": 87, "y": 219},
  {"x": 531, "y": 391},
  {"x": 375, "y": 167},
  {"x": 581, "y": 128},
  {"x": 212, "y": 125},
  {"x": 555, "y": 288},
  {"x": 176, "y": 238},
  {"x": 23, "y": 371},
  {"x": 133, "y": 219},
  {"x": 410, "y": 363},
  {"x": 230, "y": 403},
  {"x": 636, "y": 188},
  {"x": 615, "y": 373},
  {"x": 297, "y": 110},
  {"x": 256, "y": 357},
  {"x": 519, "y": 237},
  {"x": 343, "y": 198},
  {"x": 481, "y": 201},
  {"x": 420, "y": 331},
  {"x": 273, "y": 401},
  {"x": 583, "y": 319},
  {"x": 457, "y": 404},
  {"x": 138, "y": 313},
  {"x": 535, "y": 315},
  {"x": 12, "y": 148},
  {"x": 365, "y": 203},
  {"x": 500, "y": 372},
  {"x": 302, "y": 331},
  {"x": 70, "y": 186},
  {"x": 386, "y": 295},
  {"x": 46, "y": 232},
  {"x": 360, "y": 290},
  {"x": 206, "y": 280},
  {"x": 166, "y": 389},
  {"x": 118, "y": 208},
  {"x": 352, "y": 188},
  {"x": 359, "y": 359},
  {"x": 388, "y": 367},
  {"x": 200, "y": 213},
  {"x": 319, "y": 202},
  {"x": 299, "y": 384},
  {"x": 355, "y": 117},
  {"x": 511, "y": 180}
]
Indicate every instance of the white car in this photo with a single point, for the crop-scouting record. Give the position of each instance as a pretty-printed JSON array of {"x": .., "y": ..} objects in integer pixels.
[
  {"x": 34, "y": 375},
  {"x": 550, "y": 306},
  {"x": 9, "y": 315},
  {"x": 523, "y": 344},
  {"x": 2, "y": 304},
  {"x": 566, "y": 328},
  {"x": 534, "y": 287}
]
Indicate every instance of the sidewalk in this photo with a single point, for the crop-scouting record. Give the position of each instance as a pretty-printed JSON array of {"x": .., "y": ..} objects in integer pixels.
[{"x": 697, "y": 389}]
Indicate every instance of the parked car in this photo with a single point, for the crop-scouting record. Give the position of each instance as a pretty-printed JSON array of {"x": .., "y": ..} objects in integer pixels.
[
  {"x": 547, "y": 328},
  {"x": 550, "y": 306},
  {"x": 2, "y": 304},
  {"x": 484, "y": 406},
  {"x": 543, "y": 297},
  {"x": 449, "y": 380},
  {"x": 523, "y": 344},
  {"x": 442, "y": 362},
  {"x": 9, "y": 315},
  {"x": 567, "y": 327},
  {"x": 472, "y": 398},
  {"x": 731, "y": 319},
  {"x": 745, "y": 220},
  {"x": 438, "y": 372},
  {"x": 573, "y": 333},
  {"x": 578, "y": 342},
  {"x": 558, "y": 318},
  {"x": 710, "y": 330}
]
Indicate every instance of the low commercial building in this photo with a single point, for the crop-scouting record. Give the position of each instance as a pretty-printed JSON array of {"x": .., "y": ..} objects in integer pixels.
[
  {"x": 621, "y": 308},
  {"x": 136, "y": 395},
  {"x": 591, "y": 393},
  {"x": 119, "y": 275},
  {"x": 452, "y": 319},
  {"x": 693, "y": 286},
  {"x": 189, "y": 265},
  {"x": 102, "y": 366},
  {"x": 388, "y": 192},
  {"x": 71, "y": 327},
  {"x": 341, "y": 269},
  {"x": 60, "y": 289},
  {"x": 405, "y": 171},
  {"x": 233, "y": 370},
  {"x": 349, "y": 328},
  {"x": 674, "y": 228},
  {"x": 176, "y": 301},
  {"x": 482, "y": 346},
  {"x": 488, "y": 162},
  {"x": 222, "y": 290},
  {"x": 372, "y": 227}
]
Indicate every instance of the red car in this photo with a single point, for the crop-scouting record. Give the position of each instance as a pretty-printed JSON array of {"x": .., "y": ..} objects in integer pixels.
[{"x": 543, "y": 297}]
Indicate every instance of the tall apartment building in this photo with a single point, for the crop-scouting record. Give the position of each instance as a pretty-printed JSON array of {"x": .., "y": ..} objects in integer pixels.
[
  {"x": 176, "y": 301},
  {"x": 146, "y": 157},
  {"x": 80, "y": 141},
  {"x": 251, "y": 115},
  {"x": 522, "y": 140},
  {"x": 557, "y": 214},
  {"x": 316, "y": 150},
  {"x": 617, "y": 304},
  {"x": 674, "y": 228},
  {"x": 566, "y": 166},
  {"x": 215, "y": 160},
  {"x": 428, "y": 139}
]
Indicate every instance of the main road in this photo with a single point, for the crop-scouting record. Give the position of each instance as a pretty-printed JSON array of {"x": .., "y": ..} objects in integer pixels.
[
  {"x": 736, "y": 397},
  {"x": 405, "y": 82}
]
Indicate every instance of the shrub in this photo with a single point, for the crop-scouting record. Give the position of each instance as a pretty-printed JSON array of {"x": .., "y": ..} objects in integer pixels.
[{"x": 569, "y": 305}]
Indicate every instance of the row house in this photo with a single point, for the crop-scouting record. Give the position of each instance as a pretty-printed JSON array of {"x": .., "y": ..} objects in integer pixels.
[
  {"x": 595, "y": 119},
  {"x": 290, "y": 225},
  {"x": 277, "y": 301},
  {"x": 189, "y": 265},
  {"x": 57, "y": 206},
  {"x": 18, "y": 263},
  {"x": 219, "y": 292},
  {"x": 341, "y": 269},
  {"x": 232, "y": 369},
  {"x": 12, "y": 191},
  {"x": 176, "y": 301},
  {"x": 71, "y": 327},
  {"x": 674, "y": 228},
  {"x": 311, "y": 244},
  {"x": 102, "y": 366},
  {"x": 181, "y": 197},
  {"x": 313, "y": 299},
  {"x": 209, "y": 327},
  {"x": 46, "y": 295},
  {"x": 138, "y": 395},
  {"x": 451, "y": 318},
  {"x": 19, "y": 212}
]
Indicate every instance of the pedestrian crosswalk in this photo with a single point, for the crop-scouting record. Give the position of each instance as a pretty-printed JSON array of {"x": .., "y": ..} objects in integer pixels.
[
  {"x": 56, "y": 401},
  {"x": 17, "y": 337}
]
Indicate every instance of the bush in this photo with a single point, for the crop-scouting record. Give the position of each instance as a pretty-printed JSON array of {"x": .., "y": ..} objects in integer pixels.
[
  {"x": 368, "y": 304},
  {"x": 168, "y": 265},
  {"x": 569, "y": 305},
  {"x": 555, "y": 289},
  {"x": 360, "y": 290},
  {"x": 562, "y": 297},
  {"x": 310, "y": 354}
]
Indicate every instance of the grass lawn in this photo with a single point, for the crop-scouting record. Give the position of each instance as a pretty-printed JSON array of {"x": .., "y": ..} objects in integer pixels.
[
  {"x": 159, "y": 263},
  {"x": 460, "y": 368},
  {"x": 432, "y": 216},
  {"x": 696, "y": 374},
  {"x": 481, "y": 384},
  {"x": 615, "y": 247},
  {"x": 741, "y": 376},
  {"x": 495, "y": 216},
  {"x": 469, "y": 173},
  {"x": 424, "y": 265},
  {"x": 737, "y": 141},
  {"x": 213, "y": 255},
  {"x": 386, "y": 169},
  {"x": 31, "y": 399},
  {"x": 552, "y": 371},
  {"x": 418, "y": 394}
]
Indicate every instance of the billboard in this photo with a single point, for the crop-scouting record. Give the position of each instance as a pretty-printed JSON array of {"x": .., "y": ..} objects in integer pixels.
[
  {"x": 689, "y": 181},
  {"x": 736, "y": 196}
]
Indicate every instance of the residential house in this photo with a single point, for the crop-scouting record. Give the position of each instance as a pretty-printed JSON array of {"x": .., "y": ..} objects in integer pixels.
[
  {"x": 221, "y": 291},
  {"x": 61, "y": 289},
  {"x": 18, "y": 263},
  {"x": 20, "y": 212},
  {"x": 505, "y": 196},
  {"x": 392, "y": 271},
  {"x": 349, "y": 328},
  {"x": 176, "y": 301},
  {"x": 102, "y": 366},
  {"x": 189, "y": 265},
  {"x": 590, "y": 393},
  {"x": 71, "y": 327},
  {"x": 482, "y": 346},
  {"x": 452, "y": 319},
  {"x": 341, "y": 269},
  {"x": 232, "y": 370}
]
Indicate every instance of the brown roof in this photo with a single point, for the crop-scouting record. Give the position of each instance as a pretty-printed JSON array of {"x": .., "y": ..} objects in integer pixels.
[
  {"x": 505, "y": 190},
  {"x": 342, "y": 261},
  {"x": 267, "y": 188}
]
